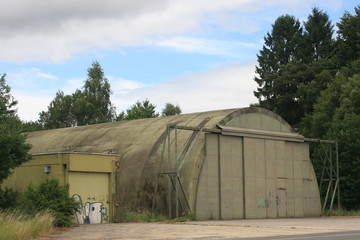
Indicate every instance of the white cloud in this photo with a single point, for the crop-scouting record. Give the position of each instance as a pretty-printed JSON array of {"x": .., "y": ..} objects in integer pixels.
[
  {"x": 227, "y": 86},
  {"x": 31, "y": 104},
  {"x": 47, "y": 76},
  {"x": 54, "y": 31},
  {"x": 120, "y": 85},
  {"x": 32, "y": 79},
  {"x": 209, "y": 47},
  {"x": 71, "y": 85}
]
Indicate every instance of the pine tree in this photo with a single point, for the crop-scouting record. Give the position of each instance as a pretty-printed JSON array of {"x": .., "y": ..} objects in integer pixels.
[
  {"x": 318, "y": 35},
  {"x": 277, "y": 90}
]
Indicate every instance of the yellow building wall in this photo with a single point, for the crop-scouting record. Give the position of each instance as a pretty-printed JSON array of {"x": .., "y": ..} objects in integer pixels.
[
  {"x": 32, "y": 172},
  {"x": 91, "y": 177}
]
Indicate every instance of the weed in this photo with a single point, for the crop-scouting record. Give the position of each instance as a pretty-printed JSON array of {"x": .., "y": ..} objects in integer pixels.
[
  {"x": 342, "y": 212},
  {"x": 141, "y": 215},
  {"x": 15, "y": 225}
]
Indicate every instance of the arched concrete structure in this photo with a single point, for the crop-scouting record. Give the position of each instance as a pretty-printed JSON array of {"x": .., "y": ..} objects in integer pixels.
[{"x": 235, "y": 163}]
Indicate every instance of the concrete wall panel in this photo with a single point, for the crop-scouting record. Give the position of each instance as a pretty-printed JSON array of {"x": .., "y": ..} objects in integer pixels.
[
  {"x": 231, "y": 178},
  {"x": 255, "y": 181},
  {"x": 270, "y": 163},
  {"x": 207, "y": 200}
]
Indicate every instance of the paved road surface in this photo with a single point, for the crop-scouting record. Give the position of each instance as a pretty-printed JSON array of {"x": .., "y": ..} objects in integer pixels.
[
  {"x": 339, "y": 228},
  {"x": 348, "y": 235}
]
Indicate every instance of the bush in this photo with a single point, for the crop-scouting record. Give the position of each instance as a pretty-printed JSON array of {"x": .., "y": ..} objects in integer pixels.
[
  {"x": 50, "y": 196},
  {"x": 8, "y": 198}
]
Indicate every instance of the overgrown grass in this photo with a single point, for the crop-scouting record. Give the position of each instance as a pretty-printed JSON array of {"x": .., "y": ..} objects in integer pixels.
[
  {"x": 184, "y": 217},
  {"x": 342, "y": 212},
  {"x": 142, "y": 216},
  {"x": 146, "y": 216},
  {"x": 15, "y": 225}
]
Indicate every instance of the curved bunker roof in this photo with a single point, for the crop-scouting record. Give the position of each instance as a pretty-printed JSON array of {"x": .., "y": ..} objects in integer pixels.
[
  {"x": 127, "y": 137},
  {"x": 140, "y": 145}
]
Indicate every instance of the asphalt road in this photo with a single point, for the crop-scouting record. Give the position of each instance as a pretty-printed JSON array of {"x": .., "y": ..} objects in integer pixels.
[{"x": 348, "y": 235}]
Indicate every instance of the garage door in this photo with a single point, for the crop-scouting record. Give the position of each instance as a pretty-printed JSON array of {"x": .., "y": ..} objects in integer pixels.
[{"x": 91, "y": 190}]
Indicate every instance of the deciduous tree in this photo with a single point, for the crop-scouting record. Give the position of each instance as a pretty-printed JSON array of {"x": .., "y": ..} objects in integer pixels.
[
  {"x": 13, "y": 149},
  {"x": 59, "y": 113},
  {"x": 171, "y": 109},
  {"x": 90, "y": 105},
  {"x": 139, "y": 110},
  {"x": 97, "y": 106}
]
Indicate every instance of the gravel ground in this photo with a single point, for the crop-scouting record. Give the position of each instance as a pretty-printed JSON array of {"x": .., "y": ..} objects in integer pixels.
[{"x": 208, "y": 229}]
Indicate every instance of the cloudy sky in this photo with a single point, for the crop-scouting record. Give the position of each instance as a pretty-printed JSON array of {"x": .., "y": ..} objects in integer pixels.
[{"x": 200, "y": 54}]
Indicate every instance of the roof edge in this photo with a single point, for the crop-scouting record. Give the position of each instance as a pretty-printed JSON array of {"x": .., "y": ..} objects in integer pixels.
[{"x": 240, "y": 111}]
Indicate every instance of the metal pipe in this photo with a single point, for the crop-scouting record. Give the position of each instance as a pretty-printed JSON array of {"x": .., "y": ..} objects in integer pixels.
[
  {"x": 168, "y": 167},
  {"x": 177, "y": 174},
  {"x": 338, "y": 174}
]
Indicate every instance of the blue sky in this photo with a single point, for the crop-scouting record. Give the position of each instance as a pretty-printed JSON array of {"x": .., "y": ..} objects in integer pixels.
[{"x": 200, "y": 54}]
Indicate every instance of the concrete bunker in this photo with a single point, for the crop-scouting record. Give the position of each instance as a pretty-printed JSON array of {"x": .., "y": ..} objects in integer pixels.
[{"x": 225, "y": 164}]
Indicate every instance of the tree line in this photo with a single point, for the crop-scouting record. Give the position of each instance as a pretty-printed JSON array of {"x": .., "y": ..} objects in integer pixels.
[
  {"x": 91, "y": 105},
  {"x": 312, "y": 80}
]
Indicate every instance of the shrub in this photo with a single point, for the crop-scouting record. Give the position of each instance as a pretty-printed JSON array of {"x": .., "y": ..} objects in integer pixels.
[
  {"x": 8, "y": 198},
  {"x": 52, "y": 197}
]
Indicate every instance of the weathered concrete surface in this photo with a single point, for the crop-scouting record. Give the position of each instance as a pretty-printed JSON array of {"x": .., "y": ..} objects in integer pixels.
[{"x": 209, "y": 229}]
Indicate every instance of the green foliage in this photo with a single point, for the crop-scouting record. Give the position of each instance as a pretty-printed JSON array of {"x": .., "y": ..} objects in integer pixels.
[
  {"x": 277, "y": 91},
  {"x": 140, "y": 110},
  {"x": 141, "y": 216},
  {"x": 313, "y": 82},
  {"x": 7, "y": 101},
  {"x": 186, "y": 216},
  {"x": 348, "y": 41},
  {"x": 90, "y": 106},
  {"x": 337, "y": 116},
  {"x": 318, "y": 36},
  {"x": 342, "y": 212},
  {"x": 288, "y": 71},
  {"x": 347, "y": 132},
  {"x": 121, "y": 116},
  {"x": 60, "y": 113},
  {"x": 32, "y": 126},
  {"x": 14, "y": 150},
  {"x": 171, "y": 109},
  {"x": 52, "y": 197},
  {"x": 8, "y": 198},
  {"x": 94, "y": 104}
]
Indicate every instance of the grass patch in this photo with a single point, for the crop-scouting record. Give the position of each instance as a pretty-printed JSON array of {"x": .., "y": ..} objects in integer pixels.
[
  {"x": 15, "y": 225},
  {"x": 185, "y": 217},
  {"x": 142, "y": 216},
  {"x": 342, "y": 212}
]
